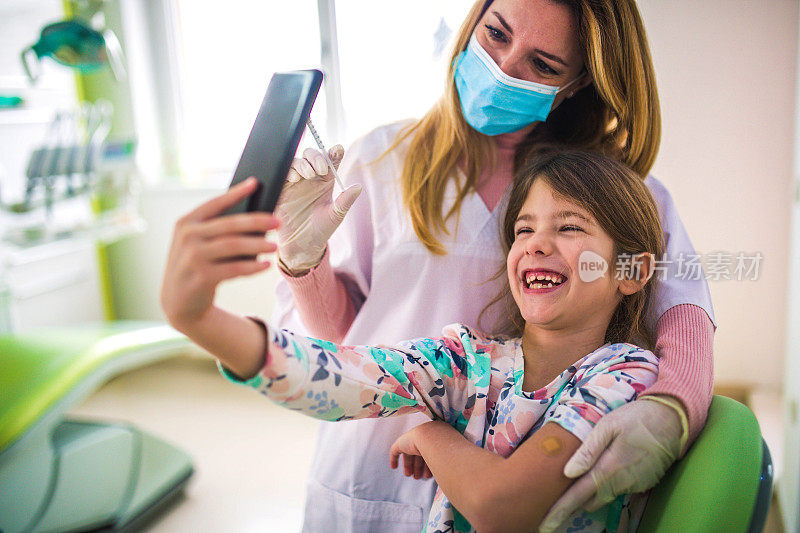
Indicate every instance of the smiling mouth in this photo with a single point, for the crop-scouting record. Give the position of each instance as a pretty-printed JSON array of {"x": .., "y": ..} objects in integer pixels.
[{"x": 543, "y": 279}]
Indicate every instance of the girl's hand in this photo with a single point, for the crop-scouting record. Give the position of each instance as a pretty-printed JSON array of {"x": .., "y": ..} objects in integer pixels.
[
  {"x": 308, "y": 212},
  {"x": 207, "y": 249},
  {"x": 413, "y": 463}
]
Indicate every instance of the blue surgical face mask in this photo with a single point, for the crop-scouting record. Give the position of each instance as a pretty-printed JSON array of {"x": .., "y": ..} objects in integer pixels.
[{"x": 492, "y": 101}]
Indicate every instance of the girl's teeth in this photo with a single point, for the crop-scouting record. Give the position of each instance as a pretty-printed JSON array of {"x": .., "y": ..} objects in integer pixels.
[{"x": 538, "y": 281}]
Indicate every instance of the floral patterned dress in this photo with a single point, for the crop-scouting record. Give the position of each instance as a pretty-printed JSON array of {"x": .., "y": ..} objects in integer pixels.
[{"x": 470, "y": 381}]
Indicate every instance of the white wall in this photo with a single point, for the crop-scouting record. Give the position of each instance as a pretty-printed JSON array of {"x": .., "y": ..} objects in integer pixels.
[
  {"x": 788, "y": 489},
  {"x": 137, "y": 264},
  {"x": 789, "y": 482},
  {"x": 726, "y": 72},
  {"x": 726, "y": 75}
]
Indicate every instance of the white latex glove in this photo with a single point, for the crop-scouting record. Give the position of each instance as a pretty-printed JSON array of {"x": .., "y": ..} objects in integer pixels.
[
  {"x": 628, "y": 451},
  {"x": 308, "y": 213}
]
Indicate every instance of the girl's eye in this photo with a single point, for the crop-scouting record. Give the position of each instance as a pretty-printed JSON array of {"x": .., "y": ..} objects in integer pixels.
[
  {"x": 544, "y": 67},
  {"x": 523, "y": 230},
  {"x": 571, "y": 228},
  {"x": 495, "y": 34}
]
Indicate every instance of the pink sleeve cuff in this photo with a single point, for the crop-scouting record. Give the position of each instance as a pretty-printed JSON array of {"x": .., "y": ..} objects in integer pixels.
[
  {"x": 685, "y": 347},
  {"x": 322, "y": 301}
]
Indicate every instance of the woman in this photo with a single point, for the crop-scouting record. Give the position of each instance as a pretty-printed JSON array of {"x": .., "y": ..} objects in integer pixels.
[{"x": 524, "y": 73}]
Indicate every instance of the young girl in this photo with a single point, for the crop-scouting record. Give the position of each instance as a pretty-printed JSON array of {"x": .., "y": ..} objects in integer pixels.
[{"x": 582, "y": 232}]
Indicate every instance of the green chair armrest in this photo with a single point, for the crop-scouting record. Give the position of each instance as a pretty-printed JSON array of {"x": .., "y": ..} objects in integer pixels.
[{"x": 714, "y": 487}]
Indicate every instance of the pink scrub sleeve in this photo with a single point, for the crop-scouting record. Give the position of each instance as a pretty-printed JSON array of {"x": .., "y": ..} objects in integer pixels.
[
  {"x": 685, "y": 347},
  {"x": 322, "y": 301}
]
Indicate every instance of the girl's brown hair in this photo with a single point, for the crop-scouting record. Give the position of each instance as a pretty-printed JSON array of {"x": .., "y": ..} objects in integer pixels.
[
  {"x": 621, "y": 204},
  {"x": 617, "y": 114}
]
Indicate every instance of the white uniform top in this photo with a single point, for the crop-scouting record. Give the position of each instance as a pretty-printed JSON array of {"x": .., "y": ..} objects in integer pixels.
[{"x": 407, "y": 292}]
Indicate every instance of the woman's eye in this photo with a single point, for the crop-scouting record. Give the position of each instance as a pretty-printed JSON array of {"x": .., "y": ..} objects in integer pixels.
[
  {"x": 571, "y": 228},
  {"x": 544, "y": 67},
  {"x": 495, "y": 34}
]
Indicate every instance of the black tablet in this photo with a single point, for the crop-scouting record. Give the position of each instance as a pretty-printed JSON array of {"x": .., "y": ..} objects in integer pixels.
[{"x": 274, "y": 137}]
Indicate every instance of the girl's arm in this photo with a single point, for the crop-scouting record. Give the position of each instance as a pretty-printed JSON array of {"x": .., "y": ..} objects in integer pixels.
[
  {"x": 336, "y": 383},
  {"x": 515, "y": 493},
  {"x": 496, "y": 493},
  {"x": 206, "y": 249},
  {"x": 238, "y": 343}
]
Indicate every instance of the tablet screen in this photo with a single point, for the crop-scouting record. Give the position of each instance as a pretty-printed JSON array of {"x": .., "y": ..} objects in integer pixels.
[{"x": 273, "y": 140}]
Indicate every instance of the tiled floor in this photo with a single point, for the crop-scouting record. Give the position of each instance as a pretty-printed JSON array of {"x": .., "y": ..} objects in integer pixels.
[{"x": 251, "y": 457}]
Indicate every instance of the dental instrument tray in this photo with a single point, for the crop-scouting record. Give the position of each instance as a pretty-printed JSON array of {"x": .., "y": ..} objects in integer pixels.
[{"x": 274, "y": 137}]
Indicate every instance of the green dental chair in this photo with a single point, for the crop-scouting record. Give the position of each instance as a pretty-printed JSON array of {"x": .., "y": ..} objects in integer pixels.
[
  {"x": 722, "y": 485},
  {"x": 60, "y": 474}
]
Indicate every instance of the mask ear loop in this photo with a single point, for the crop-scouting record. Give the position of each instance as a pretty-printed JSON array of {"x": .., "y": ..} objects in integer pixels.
[{"x": 583, "y": 73}]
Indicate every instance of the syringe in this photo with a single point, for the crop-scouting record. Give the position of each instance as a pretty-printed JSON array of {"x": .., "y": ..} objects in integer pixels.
[{"x": 321, "y": 146}]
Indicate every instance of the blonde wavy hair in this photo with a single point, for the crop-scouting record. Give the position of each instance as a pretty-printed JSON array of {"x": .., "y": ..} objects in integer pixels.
[{"x": 617, "y": 114}]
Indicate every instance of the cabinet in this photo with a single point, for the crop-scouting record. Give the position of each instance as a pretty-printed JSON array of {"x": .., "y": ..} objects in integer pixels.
[{"x": 52, "y": 284}]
